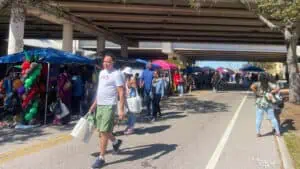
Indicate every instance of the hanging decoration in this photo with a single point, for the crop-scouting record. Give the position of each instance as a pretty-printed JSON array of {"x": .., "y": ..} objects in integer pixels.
[{"x": 31, "y": 71}]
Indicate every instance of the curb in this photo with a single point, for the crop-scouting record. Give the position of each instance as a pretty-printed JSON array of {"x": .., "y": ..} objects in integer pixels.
[
  {"x": 287, "y": 161},
  {"x": 34, "y": 147}
]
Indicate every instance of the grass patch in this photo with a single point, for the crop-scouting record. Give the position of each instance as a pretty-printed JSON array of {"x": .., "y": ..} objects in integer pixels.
[{"x": 293, "y": 143}]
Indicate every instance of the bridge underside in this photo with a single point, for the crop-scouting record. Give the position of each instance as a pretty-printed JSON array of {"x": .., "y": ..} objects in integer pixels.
[
  {"x": 212, "y": 55},
  {"x": 233, "y": 55},
  {"x": 223, "y": 21}
]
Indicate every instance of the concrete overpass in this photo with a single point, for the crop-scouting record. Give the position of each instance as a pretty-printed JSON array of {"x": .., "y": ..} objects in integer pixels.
[
  {"x": 201, "y": 51},
  {"x": 225, "y": 22}
]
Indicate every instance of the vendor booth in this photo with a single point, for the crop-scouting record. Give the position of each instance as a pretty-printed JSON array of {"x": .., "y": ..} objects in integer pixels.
[{"x": 36, "y": 65}]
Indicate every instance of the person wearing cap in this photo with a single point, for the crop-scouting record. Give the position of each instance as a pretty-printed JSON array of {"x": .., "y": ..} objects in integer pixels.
[{"x": 130, "y": 91}]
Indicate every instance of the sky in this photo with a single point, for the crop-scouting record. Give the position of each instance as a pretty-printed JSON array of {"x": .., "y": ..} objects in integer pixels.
[{"x": 225, "y": 64}]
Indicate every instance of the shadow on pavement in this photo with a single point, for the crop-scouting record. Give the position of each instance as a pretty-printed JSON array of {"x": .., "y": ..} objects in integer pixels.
[
  {"x": 141, "y": 118},
  {"x": 142, "y": 152},
  {"x": 268, "y": 134},
  {"x": 148, "y": 130},
  {"x": 15, "y": 136},
  {"x": 203, "y": 106},
  {"x": 176, "y": 116},
  {"x": 66, "y": 127}
]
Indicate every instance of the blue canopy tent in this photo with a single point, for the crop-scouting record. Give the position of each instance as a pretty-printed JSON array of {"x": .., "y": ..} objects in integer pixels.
[
  {"x": 251, "y": 68},
  {"x": 50, "y": 56}
]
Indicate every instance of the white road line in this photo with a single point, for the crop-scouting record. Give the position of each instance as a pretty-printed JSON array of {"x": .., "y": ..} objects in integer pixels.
[{"x": 215, "y": 157}]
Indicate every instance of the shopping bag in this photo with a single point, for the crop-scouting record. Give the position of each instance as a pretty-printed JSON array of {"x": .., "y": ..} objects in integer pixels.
[
  {"x": 84, "y": 128},
  {"x": 134, "y": 104},
  {"x": 64, "y": 111},
  {"x": 55, "y": 107}
]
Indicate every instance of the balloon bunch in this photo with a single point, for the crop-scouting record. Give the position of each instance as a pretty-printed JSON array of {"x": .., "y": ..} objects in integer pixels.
[{"x": 31, "y": 71}]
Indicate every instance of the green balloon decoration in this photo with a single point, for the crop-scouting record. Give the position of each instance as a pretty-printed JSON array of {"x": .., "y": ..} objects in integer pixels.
[
  {"x": 29, "y": 79},
  {"x": 33, "y": 111},
  {"x": 26, "y": 86},
  {"x": 35, "y": 104},
  {"x": 28, "y": 117}
]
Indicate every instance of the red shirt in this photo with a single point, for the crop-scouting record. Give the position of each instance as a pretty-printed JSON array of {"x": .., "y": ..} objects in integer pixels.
[{"x": 177, "y": 79}]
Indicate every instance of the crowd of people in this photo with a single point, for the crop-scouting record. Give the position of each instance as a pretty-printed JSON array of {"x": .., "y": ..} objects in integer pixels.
[
  {"x": 152, "y": 85},
  {"x": 106, "y": 91},
  {"x": 116, "y": 86}
]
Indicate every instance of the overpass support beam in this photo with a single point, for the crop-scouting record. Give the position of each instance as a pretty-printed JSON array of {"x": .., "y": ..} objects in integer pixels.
[
  {"x": 100, "y": 45},
  {"x": 67, "y": 37},
  {"x": 167, "y": 47},
  {"x": 16, "y": 30},
  {"x": 124, "y": 49}
]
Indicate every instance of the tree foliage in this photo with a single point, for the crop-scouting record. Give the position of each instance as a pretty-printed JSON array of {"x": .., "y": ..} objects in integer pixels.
[
  {"x": 268, "y": 66},
  {"x": 44, "y": 5},
  {"x": 286, "y": 11}
]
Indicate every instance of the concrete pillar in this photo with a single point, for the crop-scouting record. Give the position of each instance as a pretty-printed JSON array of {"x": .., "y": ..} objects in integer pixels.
[
  {"x": 67, "y": 37},
  {"x": 124, "y": 49},
  {"x": 167, "y": 47},
  {"x": 16, "y": 30},
  {"x": 75, "y": 46},
  {"x": 100, "y": 44}
]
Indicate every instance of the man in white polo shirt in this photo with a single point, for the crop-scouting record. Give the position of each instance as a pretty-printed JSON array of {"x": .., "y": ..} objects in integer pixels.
[{"x": 110, "y": 88}]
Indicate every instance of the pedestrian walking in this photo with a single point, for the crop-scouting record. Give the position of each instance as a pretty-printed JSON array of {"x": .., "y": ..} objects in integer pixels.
[
  {"x": 158, "y": 89},
  {"x": 190, "y": 83},
  {"x": 130, "y": 91},
  {"x": 146, "y": 83},
  {"x": 180, "y": 84},
  {"x": 264, "y": 91},
  {"x": 110, "y": 87},
  {"x": 215, "y": 81}
]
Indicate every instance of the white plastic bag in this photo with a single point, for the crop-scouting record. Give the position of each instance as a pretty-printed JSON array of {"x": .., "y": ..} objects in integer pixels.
[
  {"x": 84, "y": 129},
  {"x": 134, "y": 104},
  {"x": 119, "y": 107},
  {"x": 64, "y": 111}
]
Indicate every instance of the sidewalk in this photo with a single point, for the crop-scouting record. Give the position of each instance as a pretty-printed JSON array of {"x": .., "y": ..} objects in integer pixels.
[{"x": 15, "y": 138}]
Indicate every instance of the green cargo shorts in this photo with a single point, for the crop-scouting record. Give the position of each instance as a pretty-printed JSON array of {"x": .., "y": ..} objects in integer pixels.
[{"x": 105, "y": 118}]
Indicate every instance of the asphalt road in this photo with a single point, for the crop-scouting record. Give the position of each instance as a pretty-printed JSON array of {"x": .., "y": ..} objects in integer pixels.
[{"x": 204, "y": 130}]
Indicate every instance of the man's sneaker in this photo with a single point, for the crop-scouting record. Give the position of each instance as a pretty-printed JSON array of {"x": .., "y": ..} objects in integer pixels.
[
  {"x": 116, "y": 146},
  {"x": 98, "y": 163}
]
